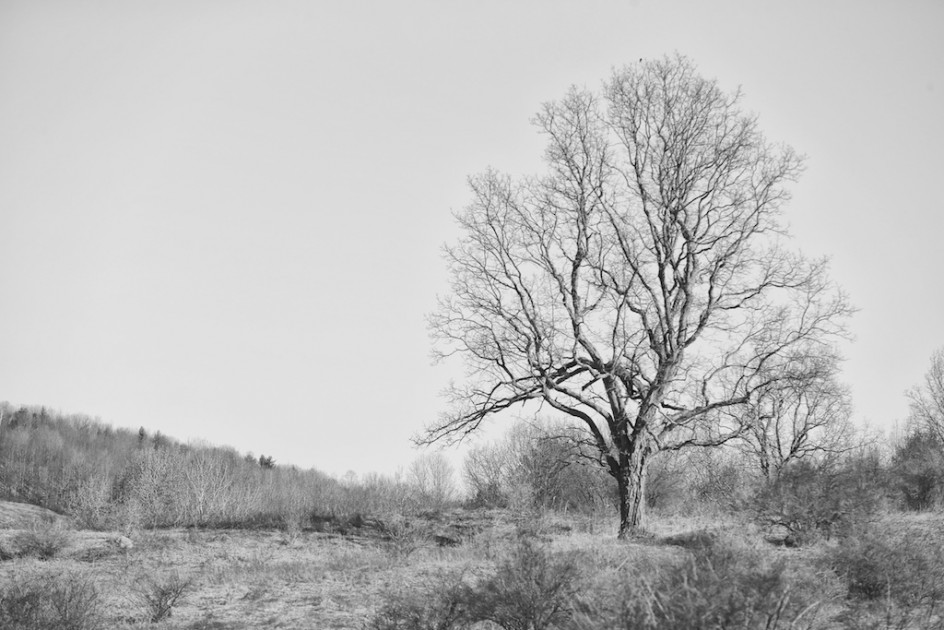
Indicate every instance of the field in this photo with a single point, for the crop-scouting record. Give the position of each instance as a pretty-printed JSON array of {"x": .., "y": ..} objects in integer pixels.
[
  {"x": 254, "y": 579},
  {"x": 365, "y": 573}
]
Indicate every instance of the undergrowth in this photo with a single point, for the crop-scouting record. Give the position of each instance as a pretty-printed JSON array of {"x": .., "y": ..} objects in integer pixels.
[{"x": 50, "y": 601}]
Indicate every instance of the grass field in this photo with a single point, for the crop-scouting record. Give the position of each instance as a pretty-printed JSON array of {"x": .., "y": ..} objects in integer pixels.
[{"x": 345, "y": 575}]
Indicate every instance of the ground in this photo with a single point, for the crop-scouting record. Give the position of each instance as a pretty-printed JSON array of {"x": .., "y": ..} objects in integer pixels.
[
  {"x": 335, "y": 578},
  {"x": 244, "y": 579}
]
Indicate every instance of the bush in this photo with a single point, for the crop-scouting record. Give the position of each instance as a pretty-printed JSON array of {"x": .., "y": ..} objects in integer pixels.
[
  {"x": 667, "y": 481},
  {"x": 810, "y": 501},
  {"x": 90, "y": 503},
  {"x": 405, "y": 537},
  {"x": 918, "y": 471},
  {"x": 159, "y": 594},
  {"x": 50, "y": 602},
  {"x": 443, "y": 607},
  {"x": 893, "y": 574},
  {"x": 903, "y": 564},
  {"x": 531, "y": 590},
  {"x": 44, "y": 540},
  {"x": 719, "y": 478},
  {"x": 537, "y": 466},
  {"x": 717, "y": 586},
  {"x": 486, "y": 472}
]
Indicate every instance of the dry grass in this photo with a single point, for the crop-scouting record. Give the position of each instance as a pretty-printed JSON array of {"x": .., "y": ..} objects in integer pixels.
[
  {"x": 242, "y": 579},
  {"x": 20, "y": 515}
]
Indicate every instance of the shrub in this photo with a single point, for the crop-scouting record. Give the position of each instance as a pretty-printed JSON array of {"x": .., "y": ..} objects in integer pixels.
[
  {"x": 893, "y": 575},
  {"x": 405, "y": 537},
  {"x": 904, "y": 564},
  {"x": 717, "y": 586},
  {"x": 811, "y": 501},
  {"x": 431, "y": 481},
  {"x": 666, "y": 484},
  {"x": 918, "y": 470},
  {"x": 486, "y": 471},
  {"x": 718, "y": 478},
  {"x": 44, "y": 540},
  {"x": 50, "y": 602},
  {"x": 90, "y": 503},
  {"x": 442, "y": 607},
  {"x": 531, "y": 590},
  {"x": 537, "y": 466},
  {"x": 159, "y": 594}
]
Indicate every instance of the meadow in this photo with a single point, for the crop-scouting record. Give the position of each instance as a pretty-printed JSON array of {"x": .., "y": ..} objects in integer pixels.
[
  {"x": 105, "y": 528},
  {"x": 472, "y": 569}
]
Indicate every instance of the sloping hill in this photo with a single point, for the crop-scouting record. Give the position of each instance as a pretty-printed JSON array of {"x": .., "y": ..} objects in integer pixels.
[{"x": 20, "y": 515}]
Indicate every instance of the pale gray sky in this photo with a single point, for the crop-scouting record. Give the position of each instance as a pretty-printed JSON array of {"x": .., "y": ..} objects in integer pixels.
[{"x": 222, "y": 220}]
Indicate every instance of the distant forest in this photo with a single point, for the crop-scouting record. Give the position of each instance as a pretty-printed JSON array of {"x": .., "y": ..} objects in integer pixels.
[
  {"x": 120, "y": 479},
  {"x": 108, "y": 477}
]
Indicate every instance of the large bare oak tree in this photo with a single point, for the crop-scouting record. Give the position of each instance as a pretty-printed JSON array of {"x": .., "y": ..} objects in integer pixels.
[{"x": 640, "y": 285}]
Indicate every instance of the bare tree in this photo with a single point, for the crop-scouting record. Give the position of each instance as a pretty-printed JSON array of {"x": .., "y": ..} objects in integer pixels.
[
  {"x": 640, "y": 285},
  {"x": 432, "y": 480},
  {"x": 927, "y": 400},
  {"x": 486, "y": 470},
  {"x": 537, "y": 464},
  {"x": 798, "y": 417}
]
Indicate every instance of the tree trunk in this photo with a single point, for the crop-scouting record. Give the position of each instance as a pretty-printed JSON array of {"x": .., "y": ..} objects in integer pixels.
[{"x": 631, "y": 483}]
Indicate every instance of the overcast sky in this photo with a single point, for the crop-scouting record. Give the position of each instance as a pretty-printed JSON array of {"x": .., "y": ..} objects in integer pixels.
[{"x": 223, "y": 220}]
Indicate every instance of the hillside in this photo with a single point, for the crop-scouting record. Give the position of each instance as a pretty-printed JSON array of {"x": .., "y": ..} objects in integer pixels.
[
  {"x": 21, "y": 515},
  {"x": 116, "y": 478}
]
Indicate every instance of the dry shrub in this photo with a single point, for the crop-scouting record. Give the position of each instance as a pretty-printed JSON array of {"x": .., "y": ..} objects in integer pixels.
[
  {"x": 718, "y": 585},
  {"x": 917, "y": 470},
  {"x": 403, "y": 537},
  {"x": 50, "y": 601},
  {"x": 810, "y": 502},
  {"x": 90, "y": 503},
  {"x": 531, "y": 589},
  {"x": 444, "y": 606},
  {"x": 894, "y": 575},
  {"x": 715, "y": 584},
  {"x": 159, "y": 594},
  {"x": 43, "y": 540}
]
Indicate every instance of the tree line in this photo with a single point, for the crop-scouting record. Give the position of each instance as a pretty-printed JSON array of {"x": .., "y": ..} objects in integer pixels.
[{"x": 115, "y": 478}]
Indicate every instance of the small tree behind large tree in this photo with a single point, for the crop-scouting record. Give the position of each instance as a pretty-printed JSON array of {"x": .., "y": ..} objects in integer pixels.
[
  {"x": 927, "y": 399},
  {"x": 639, "y": 286},
  {"x": 800, "y": 417}
]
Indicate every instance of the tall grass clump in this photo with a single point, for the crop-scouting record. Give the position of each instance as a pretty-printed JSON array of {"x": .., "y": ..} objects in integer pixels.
[
  {"x": 43, "y": 540},
  {"x": 532, "y": 589},
  {"x": 443, "y": 605},
  {"x": 717, "y": 585},
  {"x": 50, "y": 601}
]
